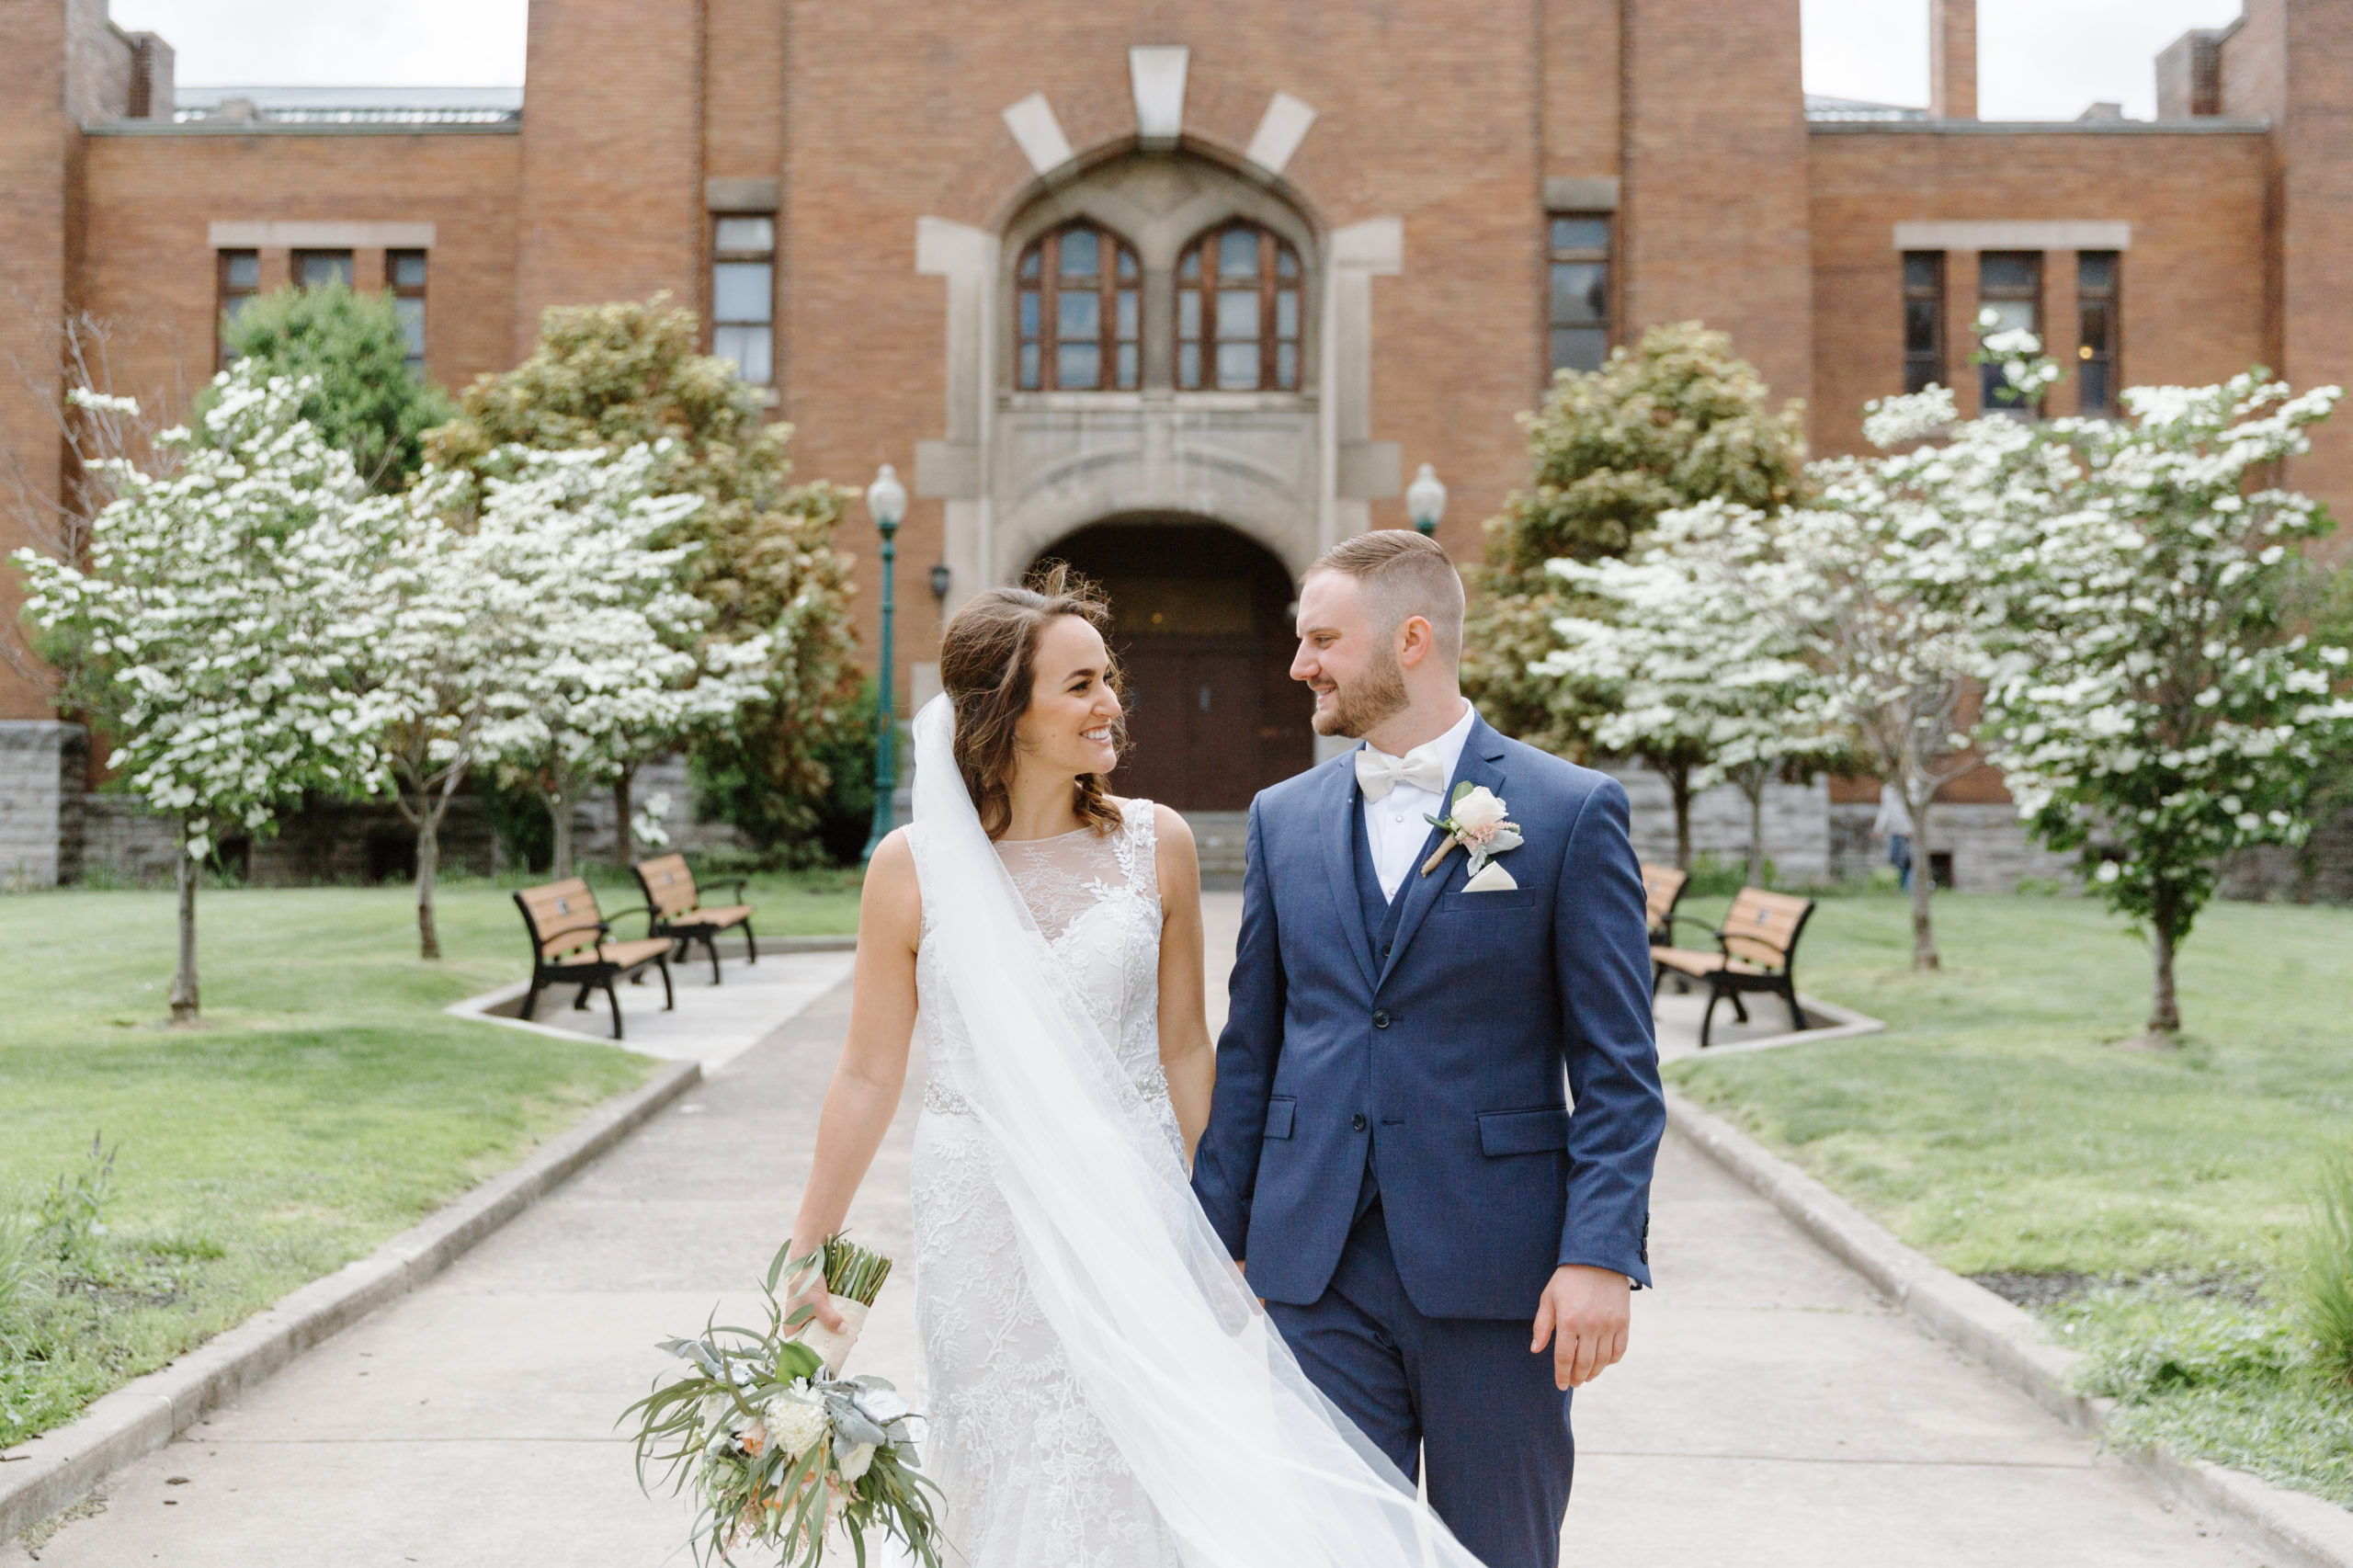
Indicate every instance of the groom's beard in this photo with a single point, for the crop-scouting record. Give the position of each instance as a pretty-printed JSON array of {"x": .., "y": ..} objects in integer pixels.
[{"x": 1366, "y": 706}]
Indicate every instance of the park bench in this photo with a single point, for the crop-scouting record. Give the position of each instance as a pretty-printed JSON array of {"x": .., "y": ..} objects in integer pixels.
[
  {"x": 571, "y": 946},
  {"x": 1662, "y": 891},
  {"x": 1755, "y": 951},
  {"x": 679, "y": 914}
]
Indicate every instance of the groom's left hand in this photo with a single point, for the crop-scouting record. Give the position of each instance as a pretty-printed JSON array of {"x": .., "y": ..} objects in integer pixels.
[{"x": 1584, "y": 1315}]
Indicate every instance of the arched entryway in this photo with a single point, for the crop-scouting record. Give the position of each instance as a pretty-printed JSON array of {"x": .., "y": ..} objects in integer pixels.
[{"x": 1203, "y": 629}]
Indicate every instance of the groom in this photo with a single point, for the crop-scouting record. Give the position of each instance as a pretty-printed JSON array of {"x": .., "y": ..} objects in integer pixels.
[{"x": 1391, "y": 1150}]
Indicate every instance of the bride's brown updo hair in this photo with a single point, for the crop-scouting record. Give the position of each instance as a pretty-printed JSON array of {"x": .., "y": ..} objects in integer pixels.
[{"x": 987, "y": 665}]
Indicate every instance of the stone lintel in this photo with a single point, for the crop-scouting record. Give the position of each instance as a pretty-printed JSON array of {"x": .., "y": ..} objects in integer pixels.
[{"x": 278, "y": 234}]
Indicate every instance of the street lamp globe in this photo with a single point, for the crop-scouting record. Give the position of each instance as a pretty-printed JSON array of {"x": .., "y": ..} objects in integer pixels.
[
  {"x": 886, "y": 498},
  {"x": 1426, "y": 500}
]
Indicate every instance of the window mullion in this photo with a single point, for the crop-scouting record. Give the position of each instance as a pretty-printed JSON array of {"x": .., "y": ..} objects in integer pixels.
[
  {"x": 1267, "y": 334},
  {"x": 1049, "y": 318}
]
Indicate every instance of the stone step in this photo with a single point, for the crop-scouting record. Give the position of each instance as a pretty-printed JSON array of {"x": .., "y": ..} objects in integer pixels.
[{"x": 1221, "y": 839}]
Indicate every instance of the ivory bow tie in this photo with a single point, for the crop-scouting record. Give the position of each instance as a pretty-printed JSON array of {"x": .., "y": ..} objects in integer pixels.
[{"x": 1378, "y": 772}]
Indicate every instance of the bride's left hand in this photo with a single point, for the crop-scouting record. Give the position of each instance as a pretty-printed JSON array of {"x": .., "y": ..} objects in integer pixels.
[{"x": 812, "y": 1290}]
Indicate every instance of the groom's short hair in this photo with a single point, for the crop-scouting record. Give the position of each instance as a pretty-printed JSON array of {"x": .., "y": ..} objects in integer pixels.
[{"x": 1403, "y": 574}]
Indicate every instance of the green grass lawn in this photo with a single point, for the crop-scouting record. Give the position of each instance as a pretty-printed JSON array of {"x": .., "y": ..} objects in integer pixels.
[
  {"x": 327, "y": 1104},
  {"x": 2164, "y": 1198}
]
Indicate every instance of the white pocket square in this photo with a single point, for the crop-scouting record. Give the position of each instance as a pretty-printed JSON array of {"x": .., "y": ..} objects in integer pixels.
[{"x": 1493, "y": 879}]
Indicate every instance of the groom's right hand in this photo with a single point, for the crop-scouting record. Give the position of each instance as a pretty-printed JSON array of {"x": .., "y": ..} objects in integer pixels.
[{"x": 1584, "y": 1316}]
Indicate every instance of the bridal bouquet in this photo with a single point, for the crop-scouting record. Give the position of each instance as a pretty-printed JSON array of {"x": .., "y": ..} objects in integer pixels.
[{"x": 775, "y": 1446}]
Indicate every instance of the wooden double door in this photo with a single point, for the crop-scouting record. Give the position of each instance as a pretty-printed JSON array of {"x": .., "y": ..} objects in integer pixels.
[{"x": 1203, "y": 631}]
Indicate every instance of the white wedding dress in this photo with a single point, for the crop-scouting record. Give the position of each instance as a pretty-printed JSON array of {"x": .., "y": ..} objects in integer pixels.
[
  {"x": 1104, "y": 1389},
  {"x": 1031, "y": 1477}
]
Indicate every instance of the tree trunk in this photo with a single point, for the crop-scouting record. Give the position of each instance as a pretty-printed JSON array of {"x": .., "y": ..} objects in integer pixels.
[
  {"x": 1923, "y": 881},
  {"x": 428, "y": 863},
  {"x": 559, "y": 803},
  {"x": 183, "y": 997},
  {"x": 1678, "y": 786},
  {"x": 1753, "y": 785},
  {"x": 624, "y": 836},
  {"x": 2165, "y": 1013}
]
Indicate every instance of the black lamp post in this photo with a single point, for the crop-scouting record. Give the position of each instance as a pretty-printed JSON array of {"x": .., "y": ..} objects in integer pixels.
[
  {"x": 1426, "y": 500},
  {"x": 886, "y": 500}
]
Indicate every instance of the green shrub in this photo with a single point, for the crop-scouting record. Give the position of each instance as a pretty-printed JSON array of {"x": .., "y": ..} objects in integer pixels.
[
  {"x": 2325, "y": 1293},
  {"x": 367, "y": 402}
]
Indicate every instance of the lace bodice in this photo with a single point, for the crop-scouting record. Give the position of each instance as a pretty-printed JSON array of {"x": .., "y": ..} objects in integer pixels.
[{"x": 1097, "y": 900}]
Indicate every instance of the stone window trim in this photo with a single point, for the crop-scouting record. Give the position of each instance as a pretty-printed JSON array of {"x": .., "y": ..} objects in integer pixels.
[
  {"x": 1078, "y": 317},
  {"x": 1241, "y": 305},
  {"x": 1159, "y": 232}
]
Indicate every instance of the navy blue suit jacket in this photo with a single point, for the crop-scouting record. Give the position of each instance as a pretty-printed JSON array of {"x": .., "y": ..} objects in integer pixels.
[{"x": 1456, "y": 1061}]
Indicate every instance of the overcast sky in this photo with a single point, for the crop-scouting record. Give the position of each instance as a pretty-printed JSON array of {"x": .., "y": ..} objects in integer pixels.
[{"x": 2037, "y": 58}]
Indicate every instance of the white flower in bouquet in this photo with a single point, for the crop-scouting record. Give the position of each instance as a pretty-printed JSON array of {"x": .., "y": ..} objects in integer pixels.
[
  {"x": 854, "y": 1464},
  {"x": 797, "y": 1425}
]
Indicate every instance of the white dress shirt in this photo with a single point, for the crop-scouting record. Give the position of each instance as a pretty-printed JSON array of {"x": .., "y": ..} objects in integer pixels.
[{"x": 1397, "y": 826}]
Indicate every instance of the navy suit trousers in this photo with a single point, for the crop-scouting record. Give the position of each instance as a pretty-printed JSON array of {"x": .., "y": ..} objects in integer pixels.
[{"x": 1465, "y": 1393}]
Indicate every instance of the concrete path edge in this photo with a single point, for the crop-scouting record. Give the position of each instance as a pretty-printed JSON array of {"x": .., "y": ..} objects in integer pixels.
[
  {"x": 59, "y": 1468},
  {"x": 2298, "y": 1529}
]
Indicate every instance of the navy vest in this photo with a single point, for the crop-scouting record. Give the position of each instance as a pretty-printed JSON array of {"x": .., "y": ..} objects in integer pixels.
[{"x": 1381, "y": 919}]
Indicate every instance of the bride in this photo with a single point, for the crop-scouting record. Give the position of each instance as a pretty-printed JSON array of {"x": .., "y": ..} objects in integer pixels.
[{"x": 1103, "y": 1390}]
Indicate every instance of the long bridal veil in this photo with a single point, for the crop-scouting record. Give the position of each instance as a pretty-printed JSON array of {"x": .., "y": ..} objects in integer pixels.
[{"x": 1249, "y": 1466}]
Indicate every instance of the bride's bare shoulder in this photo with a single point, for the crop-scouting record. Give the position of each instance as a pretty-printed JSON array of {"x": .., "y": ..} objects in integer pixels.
[
  {"x": 890, "y": 901},
  {"x": 1173, "y": 848}
]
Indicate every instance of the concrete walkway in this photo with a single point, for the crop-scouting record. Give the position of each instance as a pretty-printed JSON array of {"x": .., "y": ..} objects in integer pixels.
[{"x": 1772, "y": 1412}]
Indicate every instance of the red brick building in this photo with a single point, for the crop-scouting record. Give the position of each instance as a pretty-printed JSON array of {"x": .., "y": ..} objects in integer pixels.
[{"x": 1182, "y": 290}]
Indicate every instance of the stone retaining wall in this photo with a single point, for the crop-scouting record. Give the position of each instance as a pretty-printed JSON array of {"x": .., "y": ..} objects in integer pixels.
[{"x": 42, "y": 767}]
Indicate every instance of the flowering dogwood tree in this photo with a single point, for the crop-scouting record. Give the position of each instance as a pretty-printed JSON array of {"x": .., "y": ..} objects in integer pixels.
[
  {"x": 2152, "y": 700},
  {"x": 218, "y": 615},
  {"x": 1704, "y": 688},
  {"x": 1876, "y": 587},
  {"x": 602, "y": 667}
]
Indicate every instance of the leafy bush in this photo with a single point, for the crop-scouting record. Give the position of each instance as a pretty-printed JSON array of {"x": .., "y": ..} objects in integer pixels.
[
  {"x": 2326, "y": 1296},
  {"x": 367, "y": 402}
]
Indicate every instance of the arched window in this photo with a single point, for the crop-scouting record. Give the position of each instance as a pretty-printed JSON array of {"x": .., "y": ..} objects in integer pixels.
[
  {"x": 1238, "y": 312},
  {"x": 1078, "y": 307}
]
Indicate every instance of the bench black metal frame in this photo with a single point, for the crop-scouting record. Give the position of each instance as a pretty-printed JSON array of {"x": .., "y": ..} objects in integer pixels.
[
  {"x": 593, "y": 961},
  {"x": 1760, "y": 934}
]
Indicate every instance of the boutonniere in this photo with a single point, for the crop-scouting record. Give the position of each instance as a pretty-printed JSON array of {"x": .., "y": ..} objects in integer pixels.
[{"x": 1475, "y": 820}]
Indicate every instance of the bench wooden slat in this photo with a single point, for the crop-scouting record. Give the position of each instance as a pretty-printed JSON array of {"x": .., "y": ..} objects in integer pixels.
[
  {"x": 1762, "y": 924},
  {"x": 670, "y": 883},
  {"x": 563, "y": 915},
  {"x": 1662, "y": 887}
]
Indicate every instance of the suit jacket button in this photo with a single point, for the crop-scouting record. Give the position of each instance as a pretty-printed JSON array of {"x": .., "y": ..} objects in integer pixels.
[
  {"x": 1357, "y": 1122},
  {"x": 1380, "y": 1019}
]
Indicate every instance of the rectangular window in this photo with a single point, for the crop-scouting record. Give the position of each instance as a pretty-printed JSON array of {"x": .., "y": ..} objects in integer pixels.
[
  {"x": 1578, "y": 310},
  {"x": 405, "y": 272},
  {"x": 2010, "y": 285},
  {"x": 318, "y": 269},
  {"x": 1924, "y": 320},
  {"x": 237, "y": 278},
  {"x": 2096, "y": 306},
  {"x": 742, "y": 296}
]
